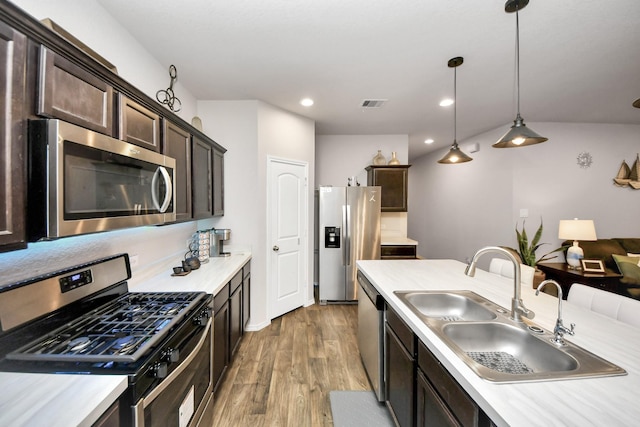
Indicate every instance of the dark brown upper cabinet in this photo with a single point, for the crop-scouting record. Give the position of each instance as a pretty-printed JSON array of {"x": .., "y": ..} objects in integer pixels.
[
  {"x": 12, "y": 139},
  {"x": 394, "y": 182},
  {"x": 207, "y": 179},
  {"x": 70, "y": 93},
  {"x": 202, "y": 179},
  {"x": 218, "y": 182},
  {"x": 177, "y": 144},
  {"x": 138, "y": 125}
]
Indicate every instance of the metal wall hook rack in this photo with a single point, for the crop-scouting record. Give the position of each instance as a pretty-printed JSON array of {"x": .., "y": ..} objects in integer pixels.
[{"x": 167, "y": 97}]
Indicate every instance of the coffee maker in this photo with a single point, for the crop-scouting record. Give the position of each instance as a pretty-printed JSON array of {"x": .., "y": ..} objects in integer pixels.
[{"x": 218, "y": 236}]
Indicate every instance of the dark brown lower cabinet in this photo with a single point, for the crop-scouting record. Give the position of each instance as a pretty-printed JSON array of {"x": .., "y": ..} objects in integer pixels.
[
  {"x": 229, "y": 308},
  {"x": 400, "y": 370},
  {"x": 220, "y": 335},
  {"x": 398, "y": 252},
  {"x": 235, "y": 313},
  {"x": 441, "y": 401},
  {"x": 110, "y": 417},
  {"x": 246, "y": 296},
  {"x": 431, "y": 410}
]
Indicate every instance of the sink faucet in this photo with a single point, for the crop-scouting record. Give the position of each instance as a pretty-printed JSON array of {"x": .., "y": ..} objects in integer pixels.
[
  {"x": 559, "y": 330},
  {"x": 517, "y": 306}
]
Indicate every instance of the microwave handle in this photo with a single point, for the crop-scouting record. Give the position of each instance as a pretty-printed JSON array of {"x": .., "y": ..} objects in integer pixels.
[{"x": 161, "y": 171}]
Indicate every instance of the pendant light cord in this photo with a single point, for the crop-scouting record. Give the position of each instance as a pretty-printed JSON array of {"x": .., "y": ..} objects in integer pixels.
[
  {"x": 518, "y": 60},
  {"x": 455, "y": 104}
]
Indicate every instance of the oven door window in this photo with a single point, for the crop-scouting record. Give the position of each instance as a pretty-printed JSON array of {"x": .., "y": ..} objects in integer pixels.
[{"x": 102, "y": 184}]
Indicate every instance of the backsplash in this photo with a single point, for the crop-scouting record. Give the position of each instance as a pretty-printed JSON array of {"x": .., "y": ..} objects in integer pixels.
[
  {"x": 154, "y": 246},
  {"x": 393, "y": 224}
]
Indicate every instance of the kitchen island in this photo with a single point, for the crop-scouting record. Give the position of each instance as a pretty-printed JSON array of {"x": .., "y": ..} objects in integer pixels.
[
  {"x": 580, "y": 402},
  {"x": 31, "y": 399}
]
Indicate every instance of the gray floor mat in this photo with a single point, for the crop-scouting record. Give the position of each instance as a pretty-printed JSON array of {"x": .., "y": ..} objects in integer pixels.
[{"x": 358, "y": 408}]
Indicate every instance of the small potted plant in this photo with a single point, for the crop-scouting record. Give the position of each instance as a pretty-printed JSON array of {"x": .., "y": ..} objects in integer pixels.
[{"x": 527, "y": 251}]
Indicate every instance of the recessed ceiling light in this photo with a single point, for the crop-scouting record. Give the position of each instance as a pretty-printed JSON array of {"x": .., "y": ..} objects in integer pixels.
[
  {"x": 307, "y": 102},
  {"x": 446, "y": 102},
  {"x": 428, "y": 141}
]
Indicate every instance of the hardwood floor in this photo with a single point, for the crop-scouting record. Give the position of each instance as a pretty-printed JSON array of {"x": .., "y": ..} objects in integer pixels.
[{"x": 282, "y": 375}]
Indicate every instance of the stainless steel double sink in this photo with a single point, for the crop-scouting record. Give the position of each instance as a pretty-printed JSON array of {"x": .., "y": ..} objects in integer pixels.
[{"x": 497, "y": 348}]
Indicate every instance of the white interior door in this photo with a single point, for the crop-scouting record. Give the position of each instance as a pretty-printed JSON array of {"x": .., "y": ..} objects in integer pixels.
[{"x": 287, "y": 206}]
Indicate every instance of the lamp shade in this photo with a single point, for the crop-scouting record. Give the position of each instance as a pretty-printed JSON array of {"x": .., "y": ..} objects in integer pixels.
[
  {"x": 577, "y": 229},
  {"x": 519, "y": 136},
  {"x": 455, "y": 155}
]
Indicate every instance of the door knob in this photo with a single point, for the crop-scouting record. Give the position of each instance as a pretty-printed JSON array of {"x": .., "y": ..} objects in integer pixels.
[{"x": 275, "y": 248}]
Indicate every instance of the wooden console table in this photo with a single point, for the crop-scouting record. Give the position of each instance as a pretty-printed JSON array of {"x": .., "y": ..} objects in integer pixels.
[{"x": 565, "y": 276}]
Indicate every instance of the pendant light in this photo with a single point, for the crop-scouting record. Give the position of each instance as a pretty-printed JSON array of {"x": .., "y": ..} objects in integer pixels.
[
  {"x": 455, "y": 155},
  {"x": 519, "y": 135}
]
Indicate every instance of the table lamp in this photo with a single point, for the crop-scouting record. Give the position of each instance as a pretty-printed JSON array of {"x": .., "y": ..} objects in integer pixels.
[{"x": 576, "y": 229}]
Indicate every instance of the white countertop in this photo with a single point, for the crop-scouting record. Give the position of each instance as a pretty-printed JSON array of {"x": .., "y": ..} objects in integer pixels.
[
  {"x": 397, "y": 240},
  {"x": 79, "y": 400},
  {"x": 56, "y": 400},
  {"x": 209, "y": 278},
  {"x": 611, "y": 401}
]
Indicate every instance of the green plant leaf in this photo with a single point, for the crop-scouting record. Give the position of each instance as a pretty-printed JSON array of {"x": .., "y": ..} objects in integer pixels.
[{"x": 527, "y": 250}]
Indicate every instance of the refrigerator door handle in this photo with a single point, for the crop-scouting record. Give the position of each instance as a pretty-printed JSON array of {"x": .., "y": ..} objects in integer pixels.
[{"x": 346, "y": 235}]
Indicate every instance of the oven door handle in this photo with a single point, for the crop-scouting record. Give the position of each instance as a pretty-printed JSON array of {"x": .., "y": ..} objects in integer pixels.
[
  {"x": 169, "y": 379},
  {"x": 161, "y": 171}
]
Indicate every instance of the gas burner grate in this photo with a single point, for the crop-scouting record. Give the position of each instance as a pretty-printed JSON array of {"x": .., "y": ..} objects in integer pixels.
[{"x": 120, "y": 331}]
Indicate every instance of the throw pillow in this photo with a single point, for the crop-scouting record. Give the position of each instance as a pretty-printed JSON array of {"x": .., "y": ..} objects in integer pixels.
[{"x": 629, "y": 268}]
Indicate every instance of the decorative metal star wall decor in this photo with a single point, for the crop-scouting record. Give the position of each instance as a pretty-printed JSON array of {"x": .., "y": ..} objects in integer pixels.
[{"x": 584, "y": 160}]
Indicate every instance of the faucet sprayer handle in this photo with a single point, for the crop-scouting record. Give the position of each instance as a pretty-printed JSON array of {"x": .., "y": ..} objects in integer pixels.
[
  {"x": 570, "y": 331},
  {"x": 524, "y": 311}
]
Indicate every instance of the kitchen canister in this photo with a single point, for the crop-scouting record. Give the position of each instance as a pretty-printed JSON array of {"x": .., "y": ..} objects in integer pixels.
[{"x": 200, "y": 243}]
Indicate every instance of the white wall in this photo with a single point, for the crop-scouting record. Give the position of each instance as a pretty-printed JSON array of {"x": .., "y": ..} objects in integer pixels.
[
  {"x": 457, "y": 209},
  {"x": 339, "y": 157},
  {"x": 90, "y": 23},
  {"x": 252, "y": 131}
]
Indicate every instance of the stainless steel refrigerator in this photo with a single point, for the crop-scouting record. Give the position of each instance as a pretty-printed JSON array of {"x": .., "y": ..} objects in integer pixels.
[{"x": 348, "y": 230}]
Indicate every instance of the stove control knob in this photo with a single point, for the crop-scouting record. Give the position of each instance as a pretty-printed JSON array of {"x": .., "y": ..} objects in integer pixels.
[
  {"x": 200, "y": 319},
  {"x": 159, "y": 370},
  {"x": 171, "y": 355}
]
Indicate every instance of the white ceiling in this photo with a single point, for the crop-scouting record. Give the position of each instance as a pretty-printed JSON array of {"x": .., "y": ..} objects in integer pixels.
[{"x": 579, "y": 60}]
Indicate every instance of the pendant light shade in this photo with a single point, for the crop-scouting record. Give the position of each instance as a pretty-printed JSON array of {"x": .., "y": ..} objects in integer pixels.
[
  {"x": 455, "y": 155},
  {"x": 519, "y": 135}
]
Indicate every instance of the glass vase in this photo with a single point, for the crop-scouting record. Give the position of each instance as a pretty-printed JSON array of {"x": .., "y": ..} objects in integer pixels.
[
  {"x": 394, "y": 160},
  {"x": 379, "y": 159}
]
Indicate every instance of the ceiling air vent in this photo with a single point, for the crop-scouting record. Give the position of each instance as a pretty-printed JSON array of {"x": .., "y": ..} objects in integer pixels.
[{"x": 373, "y": 103}]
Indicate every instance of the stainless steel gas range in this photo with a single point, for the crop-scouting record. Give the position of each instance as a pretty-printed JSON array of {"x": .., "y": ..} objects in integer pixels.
[{"x": 83, "y": 320}]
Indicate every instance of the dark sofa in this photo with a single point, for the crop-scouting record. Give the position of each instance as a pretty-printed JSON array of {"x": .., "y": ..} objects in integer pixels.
[{"x": 605, "y": 249}]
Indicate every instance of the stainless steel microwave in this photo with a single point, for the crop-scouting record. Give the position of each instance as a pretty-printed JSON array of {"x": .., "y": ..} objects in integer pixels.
[{"x": 82, "y": 181}]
